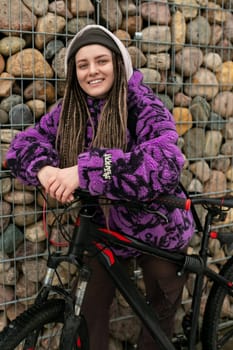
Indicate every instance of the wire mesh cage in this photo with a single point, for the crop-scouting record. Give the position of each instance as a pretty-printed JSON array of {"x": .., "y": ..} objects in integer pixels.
[{"x": 184, "y": 48}]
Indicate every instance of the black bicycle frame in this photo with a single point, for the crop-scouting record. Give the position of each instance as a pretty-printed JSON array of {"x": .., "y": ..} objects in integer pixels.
[{"x": 89, "y": 236}]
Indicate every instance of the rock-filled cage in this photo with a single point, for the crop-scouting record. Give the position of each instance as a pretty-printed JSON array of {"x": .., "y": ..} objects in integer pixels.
[{"x": 184, "y": 49}]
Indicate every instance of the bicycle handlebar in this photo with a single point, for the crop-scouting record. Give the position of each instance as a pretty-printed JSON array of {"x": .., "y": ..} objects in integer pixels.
[{"x": 169, "y": 200}]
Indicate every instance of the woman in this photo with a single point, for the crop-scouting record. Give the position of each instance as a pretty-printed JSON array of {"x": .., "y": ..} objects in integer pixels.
[{"x": 111, "y": 136}]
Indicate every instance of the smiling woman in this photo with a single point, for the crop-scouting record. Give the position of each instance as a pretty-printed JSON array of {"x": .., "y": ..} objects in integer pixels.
[{"x": 86, "y": 142}]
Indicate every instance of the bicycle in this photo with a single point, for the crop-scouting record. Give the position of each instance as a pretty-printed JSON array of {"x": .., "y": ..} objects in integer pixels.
[{"x": 56, "y": 305}]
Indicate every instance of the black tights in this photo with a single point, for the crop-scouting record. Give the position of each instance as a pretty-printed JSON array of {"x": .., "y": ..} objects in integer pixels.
[{"x": 164, "y": 291}]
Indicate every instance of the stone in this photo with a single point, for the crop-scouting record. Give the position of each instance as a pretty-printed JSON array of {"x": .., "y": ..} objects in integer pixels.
[
  {"x": 111, "y": 14},
  {"x": 216, "y": 184},
  {"x": 216, "y": 122},
  {"x": 214, "y": 13},
  {"x": 50, "y": 23},
  {"x": 38, "y": 7},
  {"x": 3, "y": 117},
  {"x": 7, "y": 135},
  {"x": 81, "y": 8},
  {"x": 178, "y": 30},
  {"x": 20, "y": 116},
  {"x": 213, "y": 143},
  {"x": 52, "y": 48},
  {"x": 198, "y": 31},
  {"x": 137, "y": 57},
  {"x": 35, "y": 232},
  {"x": 200, "y": 110},
  {"x": 2, "y": 63},
  {"x": 216, "y": 34},
  {"x": 203, "y": 83},
  {"x": 18, "y": 197},
  {"x": 7, "y": 82},
  {"x": 225, "y": 76},
  {"x": 10, "y": 239},
  {"x": 195, "y": 186},
  {"x": 201, "y": 170},
  {"x": 227, "y": 148},
  {"x": 60, "y": 7},
  {"x": 34, "y": 270},
  {"x": 5, "y": 210},
  {"x": 192, "y": 148},
  {"x": 221, "y": 163},
  {"x": 188, "y": 60},
  {"x": 182, "y": 100},
  {"x": 212, "y": 61},
  {"x": 6, "y": 295},
  {"x": 10, "y": 45},
  {"x": 5, "y": 264},
  {"x": 58, "y": 63},
  {"x": 183, "y": 119},
  {"x": 29, "y": 63},
  {"x": 128, "y": 8},
  {"x": 123, "y": 36},
  {"x": 27, "y": 249},
  {"x": 15, "y": 16},
  {"x": 131, "y": 25},
  {"x": 155, "y": 12},
  {"x": 40, "y": 90},
  {"x": 222, "y": 104},
  {"x": 9, "y": 278},
  {"x": 10, "y": 101},
  {"x": 25, "y": 288},
  {"x": 5, "y": 185},
  {"x": 156, "y": 39},
  {"x": 37, "y": 107},
  {"x": 161, "y": 61},
  {"x": 25, "y": 214},
  {"x": 150, "y": 76}
]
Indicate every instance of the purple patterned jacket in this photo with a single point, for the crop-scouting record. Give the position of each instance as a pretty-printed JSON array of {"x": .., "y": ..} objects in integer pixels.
[{"x": 151, "y": 166}]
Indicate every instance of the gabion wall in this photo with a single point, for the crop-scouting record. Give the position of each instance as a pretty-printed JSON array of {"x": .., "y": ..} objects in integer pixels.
[{"x": 184, "y": 49}]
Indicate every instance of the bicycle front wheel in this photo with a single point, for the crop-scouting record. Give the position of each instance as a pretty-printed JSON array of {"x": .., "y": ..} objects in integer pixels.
[
  {"x": 217, "y": 330},
  {"x": 39, "y": 327}
]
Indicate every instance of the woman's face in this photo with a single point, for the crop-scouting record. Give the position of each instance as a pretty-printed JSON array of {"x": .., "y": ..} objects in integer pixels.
[{"x": 94, "y": 70}]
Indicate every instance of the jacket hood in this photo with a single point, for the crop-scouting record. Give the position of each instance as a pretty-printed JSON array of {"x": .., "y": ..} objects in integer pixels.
[{"x": 124, "y": 52}]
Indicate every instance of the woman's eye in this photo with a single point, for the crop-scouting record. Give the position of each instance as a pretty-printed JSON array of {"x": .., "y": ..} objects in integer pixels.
[{"x": 102, "y": 61}]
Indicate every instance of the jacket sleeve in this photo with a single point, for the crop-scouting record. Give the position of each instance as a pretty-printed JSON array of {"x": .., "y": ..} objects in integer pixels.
[
  {"x": 151, "y": 167},
  {"x": 34, "y": 148}
]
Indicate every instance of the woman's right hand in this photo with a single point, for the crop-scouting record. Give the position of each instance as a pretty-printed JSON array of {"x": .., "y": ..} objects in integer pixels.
[{"x": 59, "y": 183}]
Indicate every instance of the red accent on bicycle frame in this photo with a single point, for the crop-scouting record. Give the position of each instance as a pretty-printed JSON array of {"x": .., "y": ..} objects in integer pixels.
[
  {"x": 78, "y": 343},
  {"x": 187, "y": 204},
  {"x": 115, "y": 234},
  {"x": 230, "y": 284},
  {"x": 107, "y": 252},
  {"x": 213, "y": 235}
]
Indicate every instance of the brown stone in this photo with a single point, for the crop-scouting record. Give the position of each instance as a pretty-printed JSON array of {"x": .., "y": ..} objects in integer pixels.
[
  {"x": 42, "y": 90},
  {"x": 29, "y": 63}
]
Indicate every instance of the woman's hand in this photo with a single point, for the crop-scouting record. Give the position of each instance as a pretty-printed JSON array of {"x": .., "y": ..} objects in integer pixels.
[{"x": 59, "y": 183}]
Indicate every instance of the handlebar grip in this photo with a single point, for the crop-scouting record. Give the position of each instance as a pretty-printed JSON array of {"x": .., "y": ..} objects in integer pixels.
[{"x": 174, "y": 202}]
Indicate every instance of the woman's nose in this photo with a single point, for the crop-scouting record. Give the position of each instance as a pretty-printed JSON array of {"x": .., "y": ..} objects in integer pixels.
[{"x": 93, "y": 69}]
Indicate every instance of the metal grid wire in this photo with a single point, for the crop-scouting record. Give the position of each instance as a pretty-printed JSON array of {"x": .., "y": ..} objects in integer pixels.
[{"x": 184, "y": 49}]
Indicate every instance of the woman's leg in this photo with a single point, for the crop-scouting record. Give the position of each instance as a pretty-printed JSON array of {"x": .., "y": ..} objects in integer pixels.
[
  {"x": 98, "y": 298},
  {"x": 164, "y": 292}
]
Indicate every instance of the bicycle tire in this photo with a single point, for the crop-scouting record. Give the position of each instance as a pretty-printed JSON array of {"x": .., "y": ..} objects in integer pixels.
[
  {"x": 217, "y": 329},
  {"x": 34, "y": 319}
]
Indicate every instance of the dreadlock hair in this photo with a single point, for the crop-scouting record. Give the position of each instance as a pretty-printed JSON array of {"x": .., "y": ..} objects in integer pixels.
[{"x": 112, "y": 126}]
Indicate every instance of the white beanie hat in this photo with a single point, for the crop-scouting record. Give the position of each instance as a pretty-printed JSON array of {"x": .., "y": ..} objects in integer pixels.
[{"x": 99, "y": 35}]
